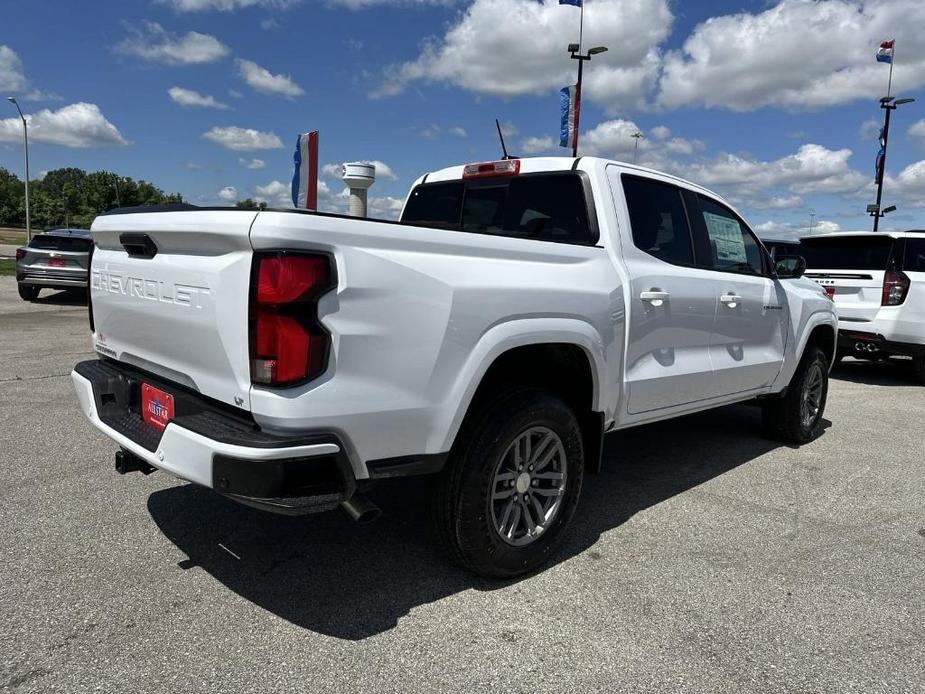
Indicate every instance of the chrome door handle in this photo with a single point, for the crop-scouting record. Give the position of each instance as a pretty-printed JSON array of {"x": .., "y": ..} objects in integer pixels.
[
  {"x": 731, "y": 300},
  {"x": 656, "y": 298}
]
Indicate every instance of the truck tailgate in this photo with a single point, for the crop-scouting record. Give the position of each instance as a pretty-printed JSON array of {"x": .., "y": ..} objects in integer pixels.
[
  {"x": 177, "y": 304},
  {"x": 857, "y": 294}
]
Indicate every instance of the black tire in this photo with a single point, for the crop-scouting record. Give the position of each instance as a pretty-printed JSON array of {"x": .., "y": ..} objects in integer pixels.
[
  {"x": 784, "y": 418},
  {"x": 918, "y": 367},
  {"x": 465, "y": 514},
  {"x": 28, "y": 292}
]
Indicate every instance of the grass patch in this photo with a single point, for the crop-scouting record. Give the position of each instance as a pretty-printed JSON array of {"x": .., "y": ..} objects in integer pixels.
[
  {"x": 7, "y": 267},
  {"x": 13, "y": 237}
]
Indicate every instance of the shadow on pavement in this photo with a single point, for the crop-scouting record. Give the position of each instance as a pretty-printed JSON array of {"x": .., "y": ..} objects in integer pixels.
[
  {"x": 886, "y": 372},
  {"x": 62, "y": 297},
  {"x": 329, "y": 575}
]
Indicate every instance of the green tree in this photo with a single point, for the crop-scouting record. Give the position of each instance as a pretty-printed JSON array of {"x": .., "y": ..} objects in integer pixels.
[
  {"x": 73, "y": 196},
  {"x": 251, "y": 204}
]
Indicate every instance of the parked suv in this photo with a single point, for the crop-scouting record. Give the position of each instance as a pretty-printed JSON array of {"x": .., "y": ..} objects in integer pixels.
[
  {"x": 878, "y": 283},
  {"x": 518, "y": 311},
  {"x": 56, "y": 259}
]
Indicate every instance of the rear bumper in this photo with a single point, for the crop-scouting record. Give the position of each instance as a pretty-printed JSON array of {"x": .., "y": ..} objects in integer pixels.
[
  {"x": 210, "y": 445},
  {"x": 52, "y": 278},
  {"x": 870, "y": 344}
]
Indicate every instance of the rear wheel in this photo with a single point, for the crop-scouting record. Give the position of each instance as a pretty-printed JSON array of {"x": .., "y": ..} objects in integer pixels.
[
  {"x": 28, "y": 292},
  {"x": 512, "y": 484},
  {"x": 797, "y": 417}
]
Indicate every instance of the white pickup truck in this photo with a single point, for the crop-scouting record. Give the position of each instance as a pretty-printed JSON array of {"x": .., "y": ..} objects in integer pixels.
[{"x": 519, "y": 311}]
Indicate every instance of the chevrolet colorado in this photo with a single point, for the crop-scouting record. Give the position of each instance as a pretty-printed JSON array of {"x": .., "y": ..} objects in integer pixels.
[{"x": 518, "y": 311}]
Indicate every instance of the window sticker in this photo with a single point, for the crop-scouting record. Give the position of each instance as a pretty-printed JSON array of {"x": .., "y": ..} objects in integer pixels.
[{"x": 726, "y": 235}]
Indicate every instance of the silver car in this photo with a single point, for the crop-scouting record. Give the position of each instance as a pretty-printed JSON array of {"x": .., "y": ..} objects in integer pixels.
[{"x": 56, "y": 259}]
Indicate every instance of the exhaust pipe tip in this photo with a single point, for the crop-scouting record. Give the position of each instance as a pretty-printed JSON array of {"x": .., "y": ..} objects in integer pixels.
[{"x": 361, "y": 509}]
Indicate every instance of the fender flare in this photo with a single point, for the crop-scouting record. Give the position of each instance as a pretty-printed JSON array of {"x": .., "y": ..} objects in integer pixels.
[
  {"x": 815, "y": 320},
  {"x": 503, "y": 337}
]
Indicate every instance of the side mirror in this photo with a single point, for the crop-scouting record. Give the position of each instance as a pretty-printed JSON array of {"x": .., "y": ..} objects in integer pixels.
[{"x": 790, "y": 267}]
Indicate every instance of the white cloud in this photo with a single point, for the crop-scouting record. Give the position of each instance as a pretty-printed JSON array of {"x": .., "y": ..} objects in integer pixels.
[
  {"x": 77, "y": 125},
  {"x": 910, "y": 183},
  {"x": 797, "y": 54},
  {"x": 275, "y": 194},
  {"x": 811, "y": 169},
  {"x": 777, "y": 202},
  {"x": 385, "y": 207},
  {"x": 225, "y": 5},
  {"x": 262, "y": 80},
  {"x": 787, "y": 231},
  {"x": 189, "y": 97},
  {"x": 228, "y": 193},
  {"x": 660, "y": 132},
  {"x": 917, "y": 129},
  {"x": 13, "y": 80},
  {"x": 458, "y": 131},
  {"x": 154, "y": 44},
  {"x": 252, "y": 164},
  {"x": 363, "y": 4},
  {"x": 612, "y": 138},
  {"x": 509, "y": 48},
  {"x": 431, "y": 132},
  {"x": 869, "y": 130},
  {"x": 537, "y": 145},
  {"x": 332, "y": 170},
  {"x": 243, "y": 139}
]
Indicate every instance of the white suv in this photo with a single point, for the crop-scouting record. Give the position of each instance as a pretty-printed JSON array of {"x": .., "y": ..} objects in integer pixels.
[{"x": 878, "y": 283}]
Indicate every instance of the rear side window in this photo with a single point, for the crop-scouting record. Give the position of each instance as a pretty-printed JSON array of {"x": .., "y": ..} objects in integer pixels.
[
  {"x": 435, "y": 205},
  {"x": 915, "y": 255},
  {"x": 732, "y": 247},
  {"x": 60, "y": 243},
  {"x": 845, "y": 253},
  {"x": 543, "y": 207},
  {"x": 658, "y": 220}
]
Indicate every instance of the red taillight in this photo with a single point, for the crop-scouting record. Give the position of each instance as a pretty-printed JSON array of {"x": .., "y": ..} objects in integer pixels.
[
  {"x": 20, "y": 253},
  {"x": 288, "y": 345},
  {"x": 506, "y": 167},
  {"x": 895, "y": 288}
]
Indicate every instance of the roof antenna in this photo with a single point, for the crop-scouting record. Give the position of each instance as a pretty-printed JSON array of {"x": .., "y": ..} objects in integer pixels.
[{"x": 501, "y": 137}]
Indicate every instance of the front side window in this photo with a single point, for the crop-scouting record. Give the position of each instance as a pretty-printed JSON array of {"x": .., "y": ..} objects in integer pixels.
[
  {"x": 658, "y": 220},
  {"x": 732, "y": 247}
]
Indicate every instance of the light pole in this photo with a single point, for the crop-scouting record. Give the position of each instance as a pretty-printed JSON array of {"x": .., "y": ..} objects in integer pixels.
[
  {"x": 888, "y": 104},
  {"x": 636, "y": 136},
  {"x": 25, "y": 139},
  {"x": 575, "y": 50}
]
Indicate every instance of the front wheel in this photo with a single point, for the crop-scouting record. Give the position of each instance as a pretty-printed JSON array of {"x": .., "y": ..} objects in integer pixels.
[
  {"x": 797, "y": 417},
  {"x": 28, "y": 292},
  {"x": 512, "y": 484}
]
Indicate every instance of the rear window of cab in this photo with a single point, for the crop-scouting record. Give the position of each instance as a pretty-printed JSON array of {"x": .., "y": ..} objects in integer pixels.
[{"x": 552, "y": 207}]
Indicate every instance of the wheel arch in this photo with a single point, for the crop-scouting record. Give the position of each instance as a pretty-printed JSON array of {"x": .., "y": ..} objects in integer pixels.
[{"x": 567, "y": 361}]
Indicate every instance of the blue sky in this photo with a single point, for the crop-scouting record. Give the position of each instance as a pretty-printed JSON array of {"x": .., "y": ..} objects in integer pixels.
[{"x": 771, "y": 104}]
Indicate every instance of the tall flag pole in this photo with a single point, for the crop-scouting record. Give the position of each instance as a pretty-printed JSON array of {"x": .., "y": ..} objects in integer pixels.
[
  {"x": 570, "y": 97},
  {"x": 884, "y": 55}
]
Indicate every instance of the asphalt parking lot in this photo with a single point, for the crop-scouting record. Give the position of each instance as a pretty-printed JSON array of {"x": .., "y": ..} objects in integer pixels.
[{"x": 704, "y": 558}]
